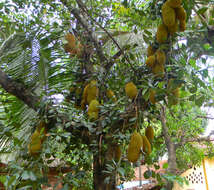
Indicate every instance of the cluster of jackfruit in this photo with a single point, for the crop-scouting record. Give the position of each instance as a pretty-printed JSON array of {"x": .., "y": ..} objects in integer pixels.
[
  {"x": 137, "y": 142},
  {"x": 134, "y": 148},
  {"x": 156, "y": 61},
  {"x": 131, "y": 90},
  {"x": 174, "y": 18},
  {"x": 173, "y": 93},
  {"x": 73, "y": 47},
  {"x": 37, "y": 138}
]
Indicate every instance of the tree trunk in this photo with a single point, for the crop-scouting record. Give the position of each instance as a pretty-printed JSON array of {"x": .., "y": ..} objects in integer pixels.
[
  {"x": 171, "y": 162},
  {"x": 171, "y": 148},
  {"x": 99, "y": 176}
]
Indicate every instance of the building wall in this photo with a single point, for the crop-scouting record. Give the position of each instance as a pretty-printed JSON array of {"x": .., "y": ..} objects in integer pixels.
[{"x": 199, "y": 178}]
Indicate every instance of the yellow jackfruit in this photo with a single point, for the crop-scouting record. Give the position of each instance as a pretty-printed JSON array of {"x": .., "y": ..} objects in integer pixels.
[
  {"x": 93, "y": 109},
  {"x": 174, "y": 3},
  {"x": 150, "y": 61},
  {"x": 162, "y": 34},
  {"x": 158, "y": 70},
  {"x": 182, "y": 25},
  {"x": 180, "y": 13},
  {"x": 152, "y": 96},
  {"x": 110, "y": 94},
  {"x": 94, "y": 106},
  {"x": 39, "y": 135},
  {"x": 135, "y": 144},
  {"x": 168, "y": 15},
  {"x": 174, "y": 28},
  {"x": 146, "y": 145},
  {"x": 90, "y": 92},
  {"x": 150, "y": 50},
  {"x": 131, "y": 90},
  {"x": 160, "y": 57},
  {"x": 35, "y": 145},
  {"x": 150, "y": 133}
]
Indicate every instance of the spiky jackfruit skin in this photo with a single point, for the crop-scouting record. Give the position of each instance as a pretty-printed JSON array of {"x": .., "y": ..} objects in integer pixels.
[
  {"x": 150, "y": 133},
  {"x": 182, "y": 25},
  {"x": 160, "y": 57},
  {"x": 131, "y": 90},
  {"x": 150, "y": 50},
  {"x": 158, "y": 70},
  {"x": 90, "y": 92},
  {"x": 168, "y": 15},
  {"x": 180, "y": 13},
  {"x": 162, "y": 34},
  {"x": 152, "y": 96},
  {"x": 110, "y": 94},
  {"x": 135, "y": 144},
  {"x": 146, "y": 145},
  {"x": 174, "y": 3},
  {"x": 173, "y": 93},
  {"x": 150, "y": 61},
  {"x": 35, "y": 145},
  {"x": 71, "y": 40},
  {"x": 93, "y": 110},
  {"x": 37, "y": 138},
  {"x": 173, "y": 29}
]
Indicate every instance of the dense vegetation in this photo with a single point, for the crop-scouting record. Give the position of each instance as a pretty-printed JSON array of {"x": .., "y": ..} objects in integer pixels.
[{"x": 101, "y": 86}]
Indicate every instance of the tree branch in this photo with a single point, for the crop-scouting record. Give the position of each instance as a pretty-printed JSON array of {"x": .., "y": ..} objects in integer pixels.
[
  {"x": 18, "y": 90},
  {"x": 97, "y": 46}
]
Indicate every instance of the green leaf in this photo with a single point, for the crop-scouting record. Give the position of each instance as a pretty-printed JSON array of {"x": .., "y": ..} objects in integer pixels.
[{"x": 165, "y": 165}]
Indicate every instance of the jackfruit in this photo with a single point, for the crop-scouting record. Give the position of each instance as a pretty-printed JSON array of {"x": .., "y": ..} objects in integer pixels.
[
  {"x": 35, "y": 145},
  {"x": 150, "y": 50},
  {"x": 152, "y": 96},
  {"x": 90, "y": 92},
  {"x": 71, "y": 40},
  {"x": 174, "y": 28},
  {"x": 150, "y": 61},
  {"x": 146, "y": 145},
  {"x": 110, "y": 94},
  {"x": 37, "y": 138},
  {"x": 174, "y": 93},
  {"x": 162, "y": 34},
  {"x": 180, "y": 13},
  {"x": 160, "y": 57},
  {"x": 135, "y": 144},
  {"x": 93, "y": 110},
  {"x": 117, "y": 152},
  {"x": 94, "y": 106},
  {"x": 158, "y": 70},
  {"x": 150, "y": 133},
  {"x": 168, "y": 15},
  {"x": 174, "y": 3},
  {"x": 182, "y": 25},
  {"x": 131, "y": 90}
]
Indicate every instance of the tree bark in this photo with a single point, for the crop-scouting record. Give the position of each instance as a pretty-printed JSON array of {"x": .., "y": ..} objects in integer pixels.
[
  {"x": 99, "y": 176},
  {"x": 18, "y": 90},
  {"x": 171, "y": 148}
]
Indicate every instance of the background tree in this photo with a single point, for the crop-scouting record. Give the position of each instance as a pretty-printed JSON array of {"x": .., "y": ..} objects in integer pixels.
[{"x": 50, "y": 52}]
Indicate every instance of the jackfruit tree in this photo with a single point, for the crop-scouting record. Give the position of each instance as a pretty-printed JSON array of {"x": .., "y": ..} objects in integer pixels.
[{"x": 103, "y": 86}]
